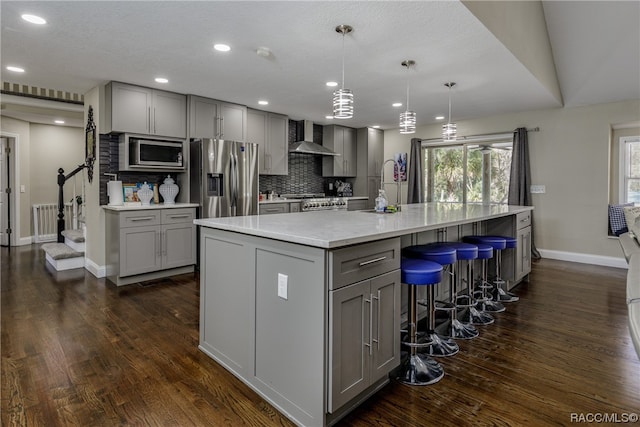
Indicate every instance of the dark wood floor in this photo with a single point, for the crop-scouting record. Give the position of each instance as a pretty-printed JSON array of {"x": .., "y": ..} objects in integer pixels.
[{"x": 79, "y": 351}]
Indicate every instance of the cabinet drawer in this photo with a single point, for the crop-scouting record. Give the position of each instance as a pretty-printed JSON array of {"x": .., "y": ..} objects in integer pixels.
[
  {"x": 139, "y": 218},
  {"x": 273, "y": 208},
  {"x": 523, "y": 219},
  {"x": 361, "y": 262},
  {"x": 175, "y": 216}
]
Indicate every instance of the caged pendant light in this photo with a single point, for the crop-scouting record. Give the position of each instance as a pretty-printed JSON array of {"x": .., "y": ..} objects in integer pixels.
[
  {"x": 450, "y": 130},
  {"x": 343, "y": 98},
  {"x": 408, "y": 118}
]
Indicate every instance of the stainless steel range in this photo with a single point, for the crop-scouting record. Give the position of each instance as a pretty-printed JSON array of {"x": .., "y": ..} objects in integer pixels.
[{"x": 318, "y": 202}]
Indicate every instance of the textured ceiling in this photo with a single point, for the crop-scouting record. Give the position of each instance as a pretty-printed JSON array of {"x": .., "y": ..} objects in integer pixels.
[{"x": 87, "y": 43}]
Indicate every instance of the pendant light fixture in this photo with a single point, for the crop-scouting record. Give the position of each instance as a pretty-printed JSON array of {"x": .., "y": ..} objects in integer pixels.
[
  {"x": 343, "y": 98},
  {"x": 450, "y": 130},
  {"x": 408, "y": 118}
]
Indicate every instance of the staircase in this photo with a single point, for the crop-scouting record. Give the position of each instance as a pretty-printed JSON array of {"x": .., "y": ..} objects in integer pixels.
[{"x": 67, "y": 255}]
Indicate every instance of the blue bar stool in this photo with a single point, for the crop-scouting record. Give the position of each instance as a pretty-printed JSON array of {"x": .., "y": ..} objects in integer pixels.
[
  {"x": 498, "y": 244},
  {"x": 502, "y": 294},
  {"x": 478, "y": 314},
  {"x": 419, "y": 369},
  {"x": 457, "y": 327},
  {"x": 444, "y": 255}
]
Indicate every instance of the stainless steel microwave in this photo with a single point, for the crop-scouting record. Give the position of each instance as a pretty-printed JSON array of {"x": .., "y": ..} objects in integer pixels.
[{"x": 140, "y": 152}]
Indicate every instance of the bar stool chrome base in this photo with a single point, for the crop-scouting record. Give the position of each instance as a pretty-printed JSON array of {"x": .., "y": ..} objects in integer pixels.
[
  {"x": 437, "y": 346},
  {"x": 491, "y": 306},
  {"x": 457, "y": 330},
  {"x": 504, "y": 296},
  {"x": 420, "y": 369},
  {"x": 478, "y": 317}
]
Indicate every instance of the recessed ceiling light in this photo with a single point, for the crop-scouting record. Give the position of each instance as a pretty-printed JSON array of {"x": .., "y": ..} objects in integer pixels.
[
  {"x": 263, "y": 102},
  {"x": 439, "y": 117},
  {"x": 161, "y": 80},
  {"x": 332, "y": 84},
  {"x": 15, "y": 69},
  {"x": 328, "y": 117},
  {"x": 376, "y": 126},
  {"x": 397, "y": 104},
  {"x": 222, "y": 47},
  {"x": 34, "y": 19},
  {"x": 59, "y": 122}
]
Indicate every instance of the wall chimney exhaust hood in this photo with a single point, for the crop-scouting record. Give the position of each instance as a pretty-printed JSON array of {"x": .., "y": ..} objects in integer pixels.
[{"x": 305, "y": 143}]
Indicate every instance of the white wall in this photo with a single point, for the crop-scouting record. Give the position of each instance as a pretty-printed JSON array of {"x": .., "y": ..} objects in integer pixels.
[
  {"x": 570, "y": 156},
  {"x": 54, "y": 147},
  {"x": 95, "y": 238}
]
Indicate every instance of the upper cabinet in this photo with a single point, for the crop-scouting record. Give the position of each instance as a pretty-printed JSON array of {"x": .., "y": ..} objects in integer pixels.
[
  {"x": 341, "y": 140},
  {"x": 210, "y": 118},
  {"x": 142, "y": 110},
  {"x": 270, "y": 131}
]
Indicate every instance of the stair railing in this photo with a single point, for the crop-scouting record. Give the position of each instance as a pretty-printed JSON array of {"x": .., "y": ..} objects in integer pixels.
[{"x": 62, "y": 178}]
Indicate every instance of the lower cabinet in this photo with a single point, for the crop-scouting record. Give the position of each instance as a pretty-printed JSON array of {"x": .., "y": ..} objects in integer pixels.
[
  {"x": 357, "y": 205},
  {"x": 149, "y": 242},
  {"x": 364, "y": 336}
]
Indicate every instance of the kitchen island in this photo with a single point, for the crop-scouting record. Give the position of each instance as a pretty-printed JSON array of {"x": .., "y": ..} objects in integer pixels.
[{"x": 305, "y": 308}]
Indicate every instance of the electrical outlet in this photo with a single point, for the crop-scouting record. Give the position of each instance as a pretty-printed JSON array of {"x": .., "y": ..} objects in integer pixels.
[
  {"x": 283, "y": 285},
  {"x": 538, "y": 189}
]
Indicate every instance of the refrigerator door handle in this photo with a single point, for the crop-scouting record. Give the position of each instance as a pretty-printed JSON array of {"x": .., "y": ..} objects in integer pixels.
[{"x": 234, "y": 180}]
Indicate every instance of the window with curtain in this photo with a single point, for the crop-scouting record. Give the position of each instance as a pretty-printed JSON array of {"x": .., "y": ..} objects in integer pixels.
[
  {"x": 629, "y": 169},
  {"x": 469, "y": 172}
]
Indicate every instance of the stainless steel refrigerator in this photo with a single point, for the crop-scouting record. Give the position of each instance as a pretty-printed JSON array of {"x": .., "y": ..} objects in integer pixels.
[{"x": 224, "y": 177}]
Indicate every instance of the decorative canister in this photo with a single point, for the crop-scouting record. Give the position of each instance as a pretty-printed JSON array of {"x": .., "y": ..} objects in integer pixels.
[
  {"x": 169, "y": 190},
  {"x": 145, "y": 194}
]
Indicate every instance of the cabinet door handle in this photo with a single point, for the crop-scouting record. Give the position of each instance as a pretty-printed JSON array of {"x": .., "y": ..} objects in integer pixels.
[
  {"x": 370, "y": 343},
  {"x": 149, "y": 119},
  {"x": 164, "y": 243},
  {"x": 274, "y": 210},
  {"x": 179, "y": 216},
  {"x": 371, "y": 261},
  {"x": 221, "y": 127},
  {"x": 142, "y": 218},
  {"x": 377, "y": 298},
  {"x": 159, "y": 244}
]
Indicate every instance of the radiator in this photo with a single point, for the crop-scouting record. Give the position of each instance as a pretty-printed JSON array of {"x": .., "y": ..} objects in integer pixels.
[{"x": 45, "y": 221}]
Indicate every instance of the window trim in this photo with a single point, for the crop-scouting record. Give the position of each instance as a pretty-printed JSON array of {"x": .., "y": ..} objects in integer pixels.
[{"x": 624, "y": 165}]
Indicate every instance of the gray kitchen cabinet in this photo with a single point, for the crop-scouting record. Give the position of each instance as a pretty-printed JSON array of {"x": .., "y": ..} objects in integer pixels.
[
  {"x": 341, "y": 140},
  {"x": 149, "y": 243},
  {"x": 364, "y": 318},
  {"x": 370, "y": 146},
  {"x": 357, "y": 205},
  {"x": 516, "y": 263},
  {"x": 364, "y": 340},
  {"x": 270, "y": 132},
  {"x": 142, "y": 110},
  {"x": 274, "y": 208},
  {"x": 210, "y": 118}
]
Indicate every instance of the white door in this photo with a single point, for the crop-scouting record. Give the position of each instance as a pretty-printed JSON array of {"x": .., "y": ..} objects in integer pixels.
[{"x": 4, "y": 183}]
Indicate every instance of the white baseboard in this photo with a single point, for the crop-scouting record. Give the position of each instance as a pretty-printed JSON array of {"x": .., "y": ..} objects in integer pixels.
[
  {"x": 97, "y": 270},
  {"x": 23, "y": 241},
  {"x": 607, "y": 261}
]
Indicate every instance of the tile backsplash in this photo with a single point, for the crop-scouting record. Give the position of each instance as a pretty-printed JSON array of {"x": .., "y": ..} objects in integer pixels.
[{"x": 305, "y": 170}]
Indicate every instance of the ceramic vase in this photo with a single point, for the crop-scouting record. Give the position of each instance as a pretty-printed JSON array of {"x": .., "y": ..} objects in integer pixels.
[
  {"x": 145, "y": 194},
  {"x": 169, "y": 190}
]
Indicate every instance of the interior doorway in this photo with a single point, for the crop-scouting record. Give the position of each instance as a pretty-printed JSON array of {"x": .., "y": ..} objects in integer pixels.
[{"x": 7, "y": 196}]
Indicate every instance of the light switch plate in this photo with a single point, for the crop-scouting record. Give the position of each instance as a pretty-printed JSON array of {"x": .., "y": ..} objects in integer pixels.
[
  {"x": 538, "y": 189},
  {"x": 283, "y": 285}
]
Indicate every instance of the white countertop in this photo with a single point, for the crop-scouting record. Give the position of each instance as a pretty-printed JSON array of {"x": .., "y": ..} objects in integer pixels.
[
  {"x": 333, "y": 229},
  {"x": 154, "y": 206}
]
